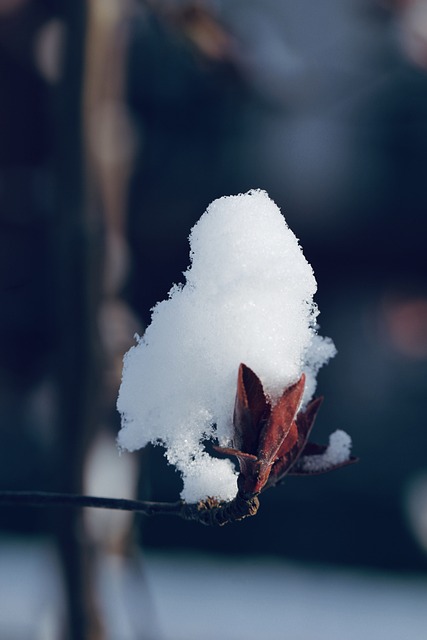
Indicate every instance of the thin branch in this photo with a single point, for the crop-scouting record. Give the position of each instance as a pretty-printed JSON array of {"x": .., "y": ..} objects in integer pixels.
[{"x": 208, "y": 512}]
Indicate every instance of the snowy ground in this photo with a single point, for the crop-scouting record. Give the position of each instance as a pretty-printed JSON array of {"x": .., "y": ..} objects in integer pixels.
[{"x": 203, "y": 598}]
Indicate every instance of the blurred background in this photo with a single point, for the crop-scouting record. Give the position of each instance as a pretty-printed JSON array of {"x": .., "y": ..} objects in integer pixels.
[{"x": 120, "y": 121}]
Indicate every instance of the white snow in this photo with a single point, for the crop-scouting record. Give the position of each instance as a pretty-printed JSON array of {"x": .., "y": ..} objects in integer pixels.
[
  {"x": 338, "y": 451},
  {"x": 210, "y": 598},
  {"x": 196, "y": 597},
  {"x": 248, "y": 297}
]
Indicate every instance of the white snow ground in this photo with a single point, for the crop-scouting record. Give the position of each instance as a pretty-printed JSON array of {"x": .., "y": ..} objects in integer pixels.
[{"x": 171, "y": 597}]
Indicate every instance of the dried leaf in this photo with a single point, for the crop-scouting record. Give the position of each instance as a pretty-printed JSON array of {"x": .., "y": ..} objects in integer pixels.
[
  {"x": 272, "y": 442},
  {"x": 251, "y": 410},
  {"x": 288, "y": 457},
  {"x": 275, "y": 434}
]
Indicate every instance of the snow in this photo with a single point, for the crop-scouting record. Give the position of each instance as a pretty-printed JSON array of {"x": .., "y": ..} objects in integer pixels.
[
  {"x": 31, "y": 593},
  {"x": 338, "y": 451},
  {"x": 187, "y": 597},
  {"x": 211, "y": 598},
  {"x": 248, "y": 297}
]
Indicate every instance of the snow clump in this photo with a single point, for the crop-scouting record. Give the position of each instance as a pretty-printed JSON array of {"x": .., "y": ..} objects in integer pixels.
[
  {"x": 247, "y": 297},
  {"x": 337, "y": 452}
]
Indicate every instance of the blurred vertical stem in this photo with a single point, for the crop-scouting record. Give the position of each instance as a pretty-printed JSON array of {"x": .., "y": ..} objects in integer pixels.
[{"x": 78, "y": 365}]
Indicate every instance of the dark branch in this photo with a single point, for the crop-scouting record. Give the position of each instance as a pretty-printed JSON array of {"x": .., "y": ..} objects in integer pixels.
[{"x": 209, "y": 512}]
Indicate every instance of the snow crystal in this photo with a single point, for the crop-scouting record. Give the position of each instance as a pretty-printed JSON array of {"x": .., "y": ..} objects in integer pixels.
[
  {"x": 338, "y": 451},
  {"x": 248, "y": 297}
]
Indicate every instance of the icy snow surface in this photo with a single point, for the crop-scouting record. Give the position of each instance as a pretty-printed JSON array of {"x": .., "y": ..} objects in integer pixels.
[
  {"x": 209, "y": 598},
  {"x": 248, "y": 297}
]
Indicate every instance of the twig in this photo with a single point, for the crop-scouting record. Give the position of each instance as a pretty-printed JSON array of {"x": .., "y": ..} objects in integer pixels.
[{"x": 208, "y": 512}]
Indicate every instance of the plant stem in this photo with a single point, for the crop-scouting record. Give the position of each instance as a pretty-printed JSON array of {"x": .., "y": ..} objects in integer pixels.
[{"x": 209, "y": 512}]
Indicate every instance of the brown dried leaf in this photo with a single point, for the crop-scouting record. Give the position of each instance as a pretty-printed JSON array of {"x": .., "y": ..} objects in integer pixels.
[
  {"x": 278, "y": 429},
  {"x": 251, "y": 410},
  {"x": 287, "y": 457},
  {"x": 272, "y": 442}
]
